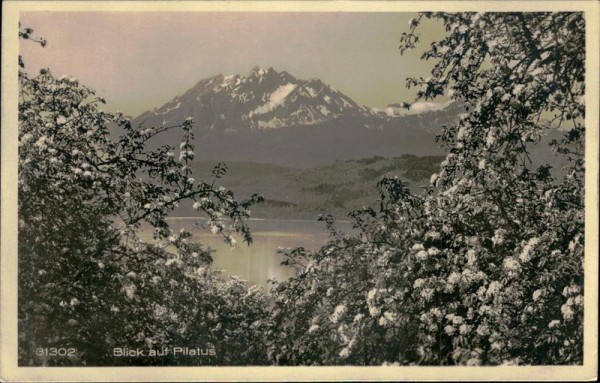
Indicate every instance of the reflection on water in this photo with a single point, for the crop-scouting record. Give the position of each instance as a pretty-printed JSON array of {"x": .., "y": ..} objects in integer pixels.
[{"x": 260, "y": 262}]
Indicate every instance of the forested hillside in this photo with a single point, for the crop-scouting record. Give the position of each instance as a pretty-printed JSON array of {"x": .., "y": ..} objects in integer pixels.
[{"x": 292, "y": 193}]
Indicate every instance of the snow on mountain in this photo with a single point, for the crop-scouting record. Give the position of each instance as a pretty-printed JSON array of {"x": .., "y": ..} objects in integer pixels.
[
  {"x": 426, "y": 106},
  {"x": 277, "y": 98},
  {"x": 397, "y": 110}
]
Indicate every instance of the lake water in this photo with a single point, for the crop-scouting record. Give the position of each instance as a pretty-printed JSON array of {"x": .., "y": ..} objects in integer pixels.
[{"x": 260, "y": 262}]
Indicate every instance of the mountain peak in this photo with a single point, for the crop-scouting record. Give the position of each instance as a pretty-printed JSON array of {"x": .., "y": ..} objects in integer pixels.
[
  {"x": 265, "y": 115},
  {"x": 260, "y": 71},
  {"x": 264, "y": 99}
]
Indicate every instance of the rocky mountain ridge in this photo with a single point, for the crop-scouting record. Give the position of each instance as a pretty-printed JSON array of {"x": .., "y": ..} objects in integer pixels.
[{"x": 273, "y": 117}]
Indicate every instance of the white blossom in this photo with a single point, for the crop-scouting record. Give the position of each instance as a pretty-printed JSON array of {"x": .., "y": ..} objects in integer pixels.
[
  {"x": 26, "y": 138},
  {"x": 427, "y": 293},
  {"x": 232, "y": 242},
  {"x": 345, "y": 352},
  {"x": 371, "y": 294},
  {"x": 494, "y": 288},
  {"x": 454, "y": 278},
  {"x": 471, "y": 257},
  {"x": 483, "y": 330},
  {"x": 433, "y": 178},
  {"x": 337, "y": 313},
  {"x": 518, "y": 89},
  {"x": 525, "y": 256},
  {"x": 129, "y": 291},
  {"x": 374, "y": 311},
  {"x": 474, "y": 362},
  {"x": 510, "y": 263},
  {"x": 418, "y": 283},
  {"x": 499, "y": 236},
  {"x": 417, "y": 246},
  {"x": 462, "y": 133},
  {"x": 383, "y": 321},
  {"x": 567, "y": 312},
  {"x": 490, "y": 138}
]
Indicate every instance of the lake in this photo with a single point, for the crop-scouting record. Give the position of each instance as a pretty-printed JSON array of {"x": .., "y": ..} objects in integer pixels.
[{"x": 260, "y": 262}]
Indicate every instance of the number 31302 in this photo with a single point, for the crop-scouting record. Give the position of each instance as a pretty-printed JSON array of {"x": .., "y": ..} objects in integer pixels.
[{"x": 53, "y": 351}]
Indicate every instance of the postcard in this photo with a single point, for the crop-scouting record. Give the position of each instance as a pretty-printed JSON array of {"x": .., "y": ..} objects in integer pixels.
[{"x": 273, "y": 191}]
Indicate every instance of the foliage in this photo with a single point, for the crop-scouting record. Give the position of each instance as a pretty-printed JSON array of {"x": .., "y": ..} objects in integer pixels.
[
  {"x": 86, "y": 280},
  {"x": 487, "y": 268}
]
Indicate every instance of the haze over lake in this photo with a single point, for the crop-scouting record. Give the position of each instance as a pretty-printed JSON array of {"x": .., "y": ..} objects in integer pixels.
[{"x": 260, "y": 262}]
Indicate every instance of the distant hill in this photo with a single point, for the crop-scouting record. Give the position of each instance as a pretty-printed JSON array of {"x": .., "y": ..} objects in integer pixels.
[{"x": 292, "y": 193}]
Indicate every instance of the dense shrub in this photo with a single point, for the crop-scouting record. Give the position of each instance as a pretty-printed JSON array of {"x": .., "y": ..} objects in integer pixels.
[
  {"x": 487, "y": 268},
  {"x": 86, "y": 279}
]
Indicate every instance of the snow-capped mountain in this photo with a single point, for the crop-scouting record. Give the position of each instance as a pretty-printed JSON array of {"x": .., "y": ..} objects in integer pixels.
[
  {"x": 272, "y": 117},
  {"x": 264, "y": 99},
  {"x": 398, "y": 110}
]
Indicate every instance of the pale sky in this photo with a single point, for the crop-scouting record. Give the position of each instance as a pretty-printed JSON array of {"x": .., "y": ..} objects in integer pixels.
[{"x": 139, "y": 61}]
